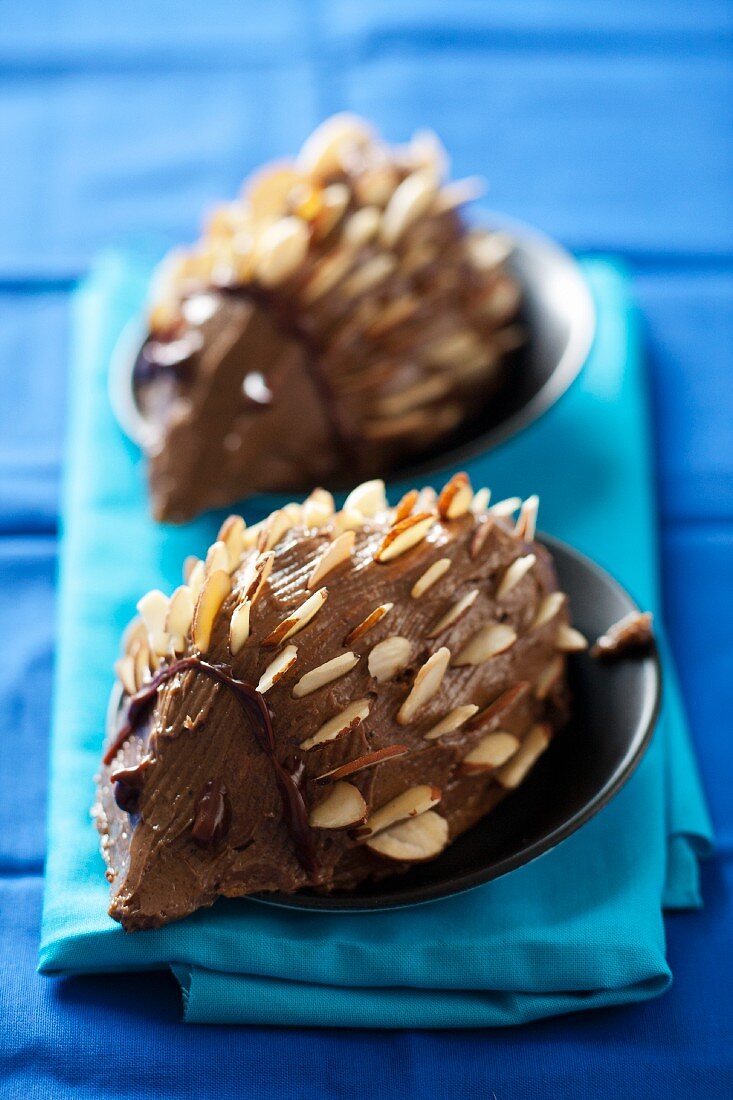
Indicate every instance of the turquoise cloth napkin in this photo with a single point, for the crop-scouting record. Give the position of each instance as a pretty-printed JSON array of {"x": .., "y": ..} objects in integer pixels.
[{"x": 579, "y": 928}]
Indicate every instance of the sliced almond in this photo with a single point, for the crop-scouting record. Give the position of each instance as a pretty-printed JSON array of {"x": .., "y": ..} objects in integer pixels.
[
  {"x": 526, "y": 525},
  {"x": 432, "y": 574},
  {"x": 125, "y": 672},
  {"x": 410, "y": 803},
  {"x": 341, "y": 724},
  {"x": 426, "y": 150},
  {"x": 458, "y": 193},
  {"x": 549, "y": 607},
  {"x": 503, "y": 703},
  {"x": 196, "y": 579},
  {"x": 277, "y": 668},
  {"x": 428, "y": 499},
  {"x": 267, "y": 191},
  {"x": 327, "y": 273},
  {"x": 457, "y": 350},
  {"x": 452, "y": 721},
  {"x": 480, "y": 501},
  {"x": 342, "y": 807},
  {"x": 239, "y": 626},
  {"x": 348, "y": 519},
  {"x": 512, "y": 773},
  {"x": 216, "y": 588},
  {"x": 499, "y": 302},
  {"x": 491, "y": 640},
  {"x": 365, "y": 625},
  {"x": 318, "y": 508},
  {"x": 217, "y": 557},
  {"x": 405, "y": 506},
  {"x": 481, "y": 363},
  {"x": 369, "y": 498},
  {"x": 492, "y": 751},
  {"x": 506, "y": 507},
  {"x": 255, "y": 580},
  {"x": 135, "y": 631},
  {"x": 403, "y": 536},
  {"x": 141, "y": 657},
  {"x": 488, "y": 250},
  {"x": 280, "y": 251},
  {"x": 368, "y": 275},
  {"x": 374, "y": 185},
  {"x": 456, "y": 497},
  {"x": 252, "y": 534},
  {"x": 334, "y": 201},
  {"x": 409, "y": 201},
  {"x": 273, "y": 529},
  {"x": 188, "y": 566},
  {"x": 391, "y": 315},
  {"x": 335, "y": 554},
  {"x": 389, "y": 657},
  {"x": 361, "y": 227},
  {"x": 294, "y": 512},
  {"x": 427, "y": 682},
  {"x": 323, "y": 153},
  {"x": 411, "y": 398},
  {"x": 549, "y": 676},
  {"x": 180, "y": 616},
  {"x": 325, "y": 674},
  {"x": 570, "y": 640},
  {"x": 412, "y": 841},
  {"x": 513, "y": 575},
  {"x": 369, "y": 760},
  {"x": 296, "y": 620},
  {"x": 454, "y": 613},
  {"x": 429, "y": 423},
  {"x": 231, "y": 533},
  {"x": 482, "y": 530},
  {"x": 153, "y": 608}
]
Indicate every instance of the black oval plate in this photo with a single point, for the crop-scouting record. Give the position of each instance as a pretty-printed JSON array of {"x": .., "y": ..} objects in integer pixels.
[
  {"x": 615, "y": 706},
  {"x": 557, "y": 314}
]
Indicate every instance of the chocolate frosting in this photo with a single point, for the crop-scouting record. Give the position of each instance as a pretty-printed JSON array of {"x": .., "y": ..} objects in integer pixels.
[{"x": 211, "y": 780}]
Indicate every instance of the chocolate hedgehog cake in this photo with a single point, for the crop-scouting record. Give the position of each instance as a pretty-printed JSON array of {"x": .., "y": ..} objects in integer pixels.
[
  {"x": 338, "y": 319},
  {"x": 331, "y": 696}
]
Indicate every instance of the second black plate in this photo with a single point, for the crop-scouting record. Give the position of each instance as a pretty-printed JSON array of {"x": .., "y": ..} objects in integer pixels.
[{"x": 614, "y": 711}]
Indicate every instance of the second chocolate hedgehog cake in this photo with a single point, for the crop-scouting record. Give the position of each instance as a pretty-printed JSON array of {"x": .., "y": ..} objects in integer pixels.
[
  {"x": 338, "y": 319},
  {"x": 330, "y": 697}
]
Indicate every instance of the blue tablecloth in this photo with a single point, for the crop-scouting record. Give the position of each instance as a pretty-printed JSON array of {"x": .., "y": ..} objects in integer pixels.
[{"x": 607, "y": 125}]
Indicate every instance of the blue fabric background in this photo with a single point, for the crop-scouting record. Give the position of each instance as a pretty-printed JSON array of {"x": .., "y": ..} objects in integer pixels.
[{"x": 609, "y": 126}]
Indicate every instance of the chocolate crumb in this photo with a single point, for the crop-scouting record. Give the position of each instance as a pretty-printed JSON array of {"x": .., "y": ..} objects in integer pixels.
[{"x": 633, "y": 633}]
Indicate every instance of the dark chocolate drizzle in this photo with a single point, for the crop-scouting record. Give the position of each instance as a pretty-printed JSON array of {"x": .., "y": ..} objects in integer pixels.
[
  {"x": 288, "y": 777},
  {"x": 213, "y": 815},
  {"x": 128, "y": 783}
]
